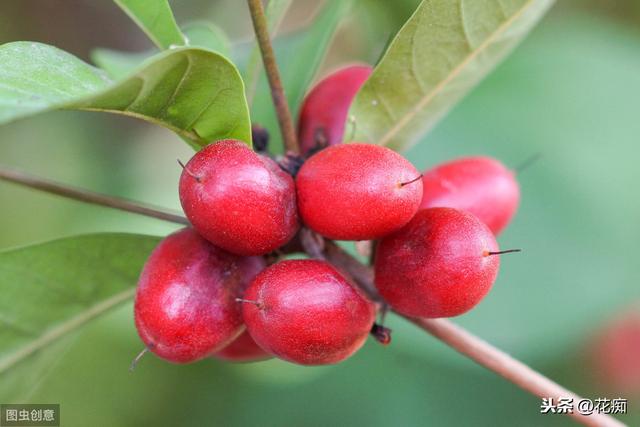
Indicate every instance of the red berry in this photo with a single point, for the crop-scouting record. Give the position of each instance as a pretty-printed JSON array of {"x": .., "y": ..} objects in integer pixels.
[
  {"x": 439, "y": 265},
  {"x": 239, "y": 200},
  {"x": 357, "y": 191},
  {"x": 616, "y": 355},
  {"x": 323, "y": 114},
  {"x": 305, "y": 312},
  {"x": 480, "y": 185},
  {"x": 242, "y": 349},
  {"x": 185, "y": 307}
]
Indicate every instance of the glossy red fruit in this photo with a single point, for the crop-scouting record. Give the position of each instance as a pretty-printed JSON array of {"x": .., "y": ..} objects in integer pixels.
[
  {"x": 480, "y": 185},
  {"x": 323, "y": 114},
  {"x": 439, "y": 265},
  {"x": 239, "y": 200},
  {"x": 185, "y": 306},
  {"x": 357, "y": 191},
  {"x": 305, "y": 312},
  {"x": 242, "y": 349}
]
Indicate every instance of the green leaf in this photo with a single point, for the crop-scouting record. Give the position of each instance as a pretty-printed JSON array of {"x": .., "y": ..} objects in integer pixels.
[
  {"x": 299, "y": 59},
  {"x": 50, "y": 290},
  {"x": 444, "y": 50},
  {"x": 118, "y": 64},
  {"x": 207, "y": 35},
  {"x": 194, "y": 92},
  {"x": 276, "y": 10},
  {"x": 156, "y": 19}
]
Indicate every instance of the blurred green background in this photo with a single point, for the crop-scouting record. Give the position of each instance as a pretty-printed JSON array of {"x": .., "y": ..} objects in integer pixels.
[{"x": 569, "y": 92}]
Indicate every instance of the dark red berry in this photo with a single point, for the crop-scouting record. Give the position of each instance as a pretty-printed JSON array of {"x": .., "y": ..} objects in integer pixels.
[
  {"x": 242, "y": 349},
  {"x": 480, "y": 185},
  {"x": 357, "y": 191},
  {"x": 185, "y": 306},
  {"x": 441, "y": 264},
  {"x": 305, "y": 312},
  {"x": 239, "y": 200},
  {"x": 323, "y": 114}
]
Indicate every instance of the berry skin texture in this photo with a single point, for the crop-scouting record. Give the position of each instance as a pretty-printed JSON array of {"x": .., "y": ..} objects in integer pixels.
[
  {"x": 185, "y": 306},
  {"x": 323, "y": 114},
  {"x": 480, "y": 185},
  {"x": 438, "y": 265},
  {"x": 239, "y": 200},
  {"x": 305, "y": 312},
  {"x": 357, "y": 191},
  {"x": 242, "y": 349}
]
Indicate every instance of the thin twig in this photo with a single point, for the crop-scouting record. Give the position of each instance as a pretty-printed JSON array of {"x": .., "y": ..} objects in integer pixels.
[
  {"x": 273, "y": 75},
  {"x": 48, "y": 186},
  {"x": 474, "y": 347},
  {"x": 509, "y": 368},
  {"x": 454, "y": 336},
  {"x": 360, "y": 273}
]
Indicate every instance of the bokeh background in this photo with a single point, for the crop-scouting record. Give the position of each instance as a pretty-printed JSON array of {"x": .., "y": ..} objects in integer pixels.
[{"x": 569, "y": 92}]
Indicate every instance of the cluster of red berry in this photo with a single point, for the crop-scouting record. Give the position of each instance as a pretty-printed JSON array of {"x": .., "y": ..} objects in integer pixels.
[{"x": 207, "y": 290}]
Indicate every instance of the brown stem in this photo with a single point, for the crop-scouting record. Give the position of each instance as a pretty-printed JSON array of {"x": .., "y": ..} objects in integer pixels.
[
  {"x": 473, "y": 347},
  {"x": 507, "y": 367},
  {"x": 31, "y": 181},
  {"x": 360, "y": 273},
  {"x": 454, "y": 336},
  {"x": 273, "y": 75},
  {"x": 312, "y": 243}
]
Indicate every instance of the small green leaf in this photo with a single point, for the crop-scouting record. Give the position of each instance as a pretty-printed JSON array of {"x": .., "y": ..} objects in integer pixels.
[
  {"x": 194, "y": 92},
  {"x": 50, "y": 290},
  {"x": 444, "y": 50},
  {"x": 156, "y": 19},
  {"x": 118, "y": 64},
  {"x": 299, "y": 58}
]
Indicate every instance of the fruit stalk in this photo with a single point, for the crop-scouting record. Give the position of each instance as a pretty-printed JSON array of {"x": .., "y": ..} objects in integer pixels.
[
  {"x": 452, "y": 335},
  {"x": 273, "y": 76}
]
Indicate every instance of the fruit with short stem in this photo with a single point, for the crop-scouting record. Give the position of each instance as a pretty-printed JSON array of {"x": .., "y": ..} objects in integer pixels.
[
  {"x": 306, "y": 312},
  {"x": 239, "y": 200},
  {"x": 441, "y": 264},
  {"x": 185, "y": 306},
  {"x": 357, "y": 191}
]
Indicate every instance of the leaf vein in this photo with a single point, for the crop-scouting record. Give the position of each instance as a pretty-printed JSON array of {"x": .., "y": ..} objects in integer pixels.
[{"x": 407, "y": 117}]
